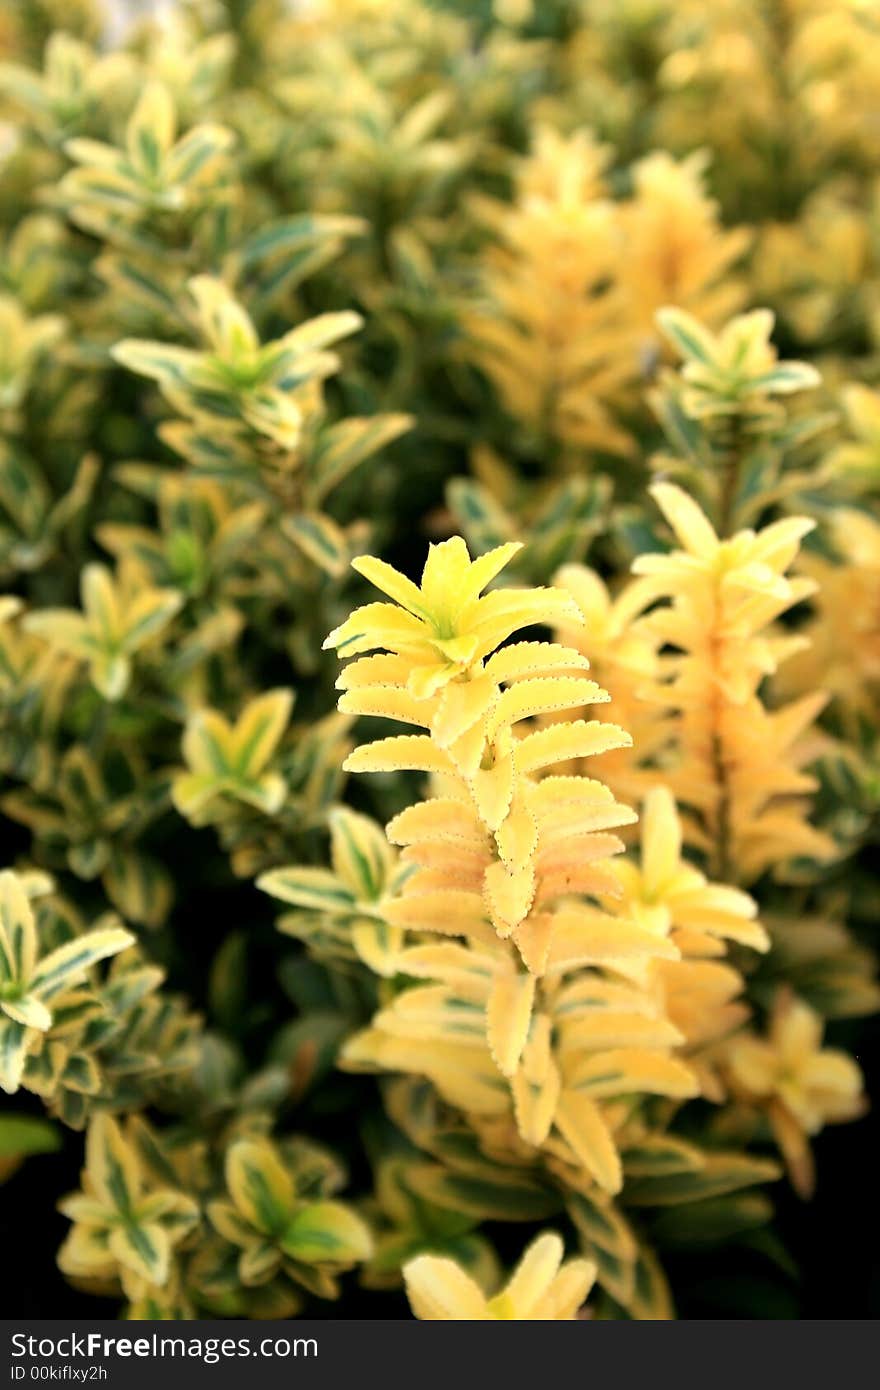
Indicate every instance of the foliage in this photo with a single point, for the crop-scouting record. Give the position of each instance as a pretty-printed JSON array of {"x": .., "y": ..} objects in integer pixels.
[{"x": 299, "y": 302}]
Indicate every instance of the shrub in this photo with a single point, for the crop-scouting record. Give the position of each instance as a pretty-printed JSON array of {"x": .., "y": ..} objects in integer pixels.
[{"x": 284, "y": 290}]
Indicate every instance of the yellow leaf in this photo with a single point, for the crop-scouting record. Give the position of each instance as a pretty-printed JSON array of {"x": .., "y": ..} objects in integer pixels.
[
  {"x": 509, "y": 894},
  {"x": 623, "y": 1071},
  {"x": 111, "y": 1164},
  {"x": 403, "y": 752},
  {"x": 508, "y": 1014},
  {"x": 258, "y": 732},
  {"x": 360, "y": 852},
  {"x": 437, "y": 1289},
  {"x": 580, "y": 1123},
  {"x": 543, "y": 695},
  {"x": 564, "y": 742},
  {"x": 259, "y": 1184}
]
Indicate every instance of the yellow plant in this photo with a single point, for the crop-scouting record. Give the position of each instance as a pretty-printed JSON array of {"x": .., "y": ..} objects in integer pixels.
[
  {"x": 541, "y": 1288},
  {"x": 286, "y": 286},
  {"x": 552, "y": 333},
  {"x": 801, "y": 1085},
  {"x": 125, "y": 1226},
  {"x": 230, "y": 760},
  {"x": 275, "y": 1226},
  {"x": 605, "y": 1020},
  {"x": 23, "y": 341},
  {"x": 34, "y": 984},
  {"x": 120, "y": 617},
  {"x": 575, "y": 278},
  {"x": 510, "y": 859},
  {"x": 675, "y": 249},
  {"x": 842, "y": 648},
  {"x": 341, "y": 910},
  {"x": 624, "y": 659},
  {"x": 700, "y": 991},
  {"x": 666, "y": 895},
  {"x": 576, "y": 1049},
  {"x": 502, "y": 843},
  {"x": 737, "y": 764}
]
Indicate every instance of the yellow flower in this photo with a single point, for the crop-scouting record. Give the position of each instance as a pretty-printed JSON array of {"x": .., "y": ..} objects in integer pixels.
[
  {"x": 802, "y": 1085},
  {"x": 541, "y": 1288}
]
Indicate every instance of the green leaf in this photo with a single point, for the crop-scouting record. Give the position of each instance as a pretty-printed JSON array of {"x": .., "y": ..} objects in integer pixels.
[
  {"x": 112, "y": 1165},
  {"x": 143, "y": 1248},
  {"x": 722, "y": 1173},
  {"x": 27, "y": 1134},
  {"x": 171, "y": 366},
  {"x": 327, "y": 1232},
  {"x": 308, "y": 887},
  {"x": 22, "y": 1136},
  {"x": 348, "y": 443},
  {"x": 289, "y": 233},
  {"x": 651, "y": 1299},
  {"x": 67, "y": 964},
  {"x": 18, "y": 936},
  {"x": 710, "y": 1222},
  {"x": 607, "y": 1238},
  {"x": 502, "y": 1199},
  {"x": 659, "y": 1154},
  {"x": 258, "y": 731},
  {"x": 687, "y": 336},
  {"x": 483, "y": 521},
  {"x": 13, "y": 1054},
  {"x": 361, "y": 854},
  {"x": 138, "y": 886},
  {"x": 320, "y": 539},
  {"x": 787, "y": 377},
  {"x": 28, "y": 1011},
  {"x": 260, "y": 1185}
]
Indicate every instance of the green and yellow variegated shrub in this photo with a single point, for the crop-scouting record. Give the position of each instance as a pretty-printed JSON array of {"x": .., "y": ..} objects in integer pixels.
[{"x": 485, "y": 398}]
